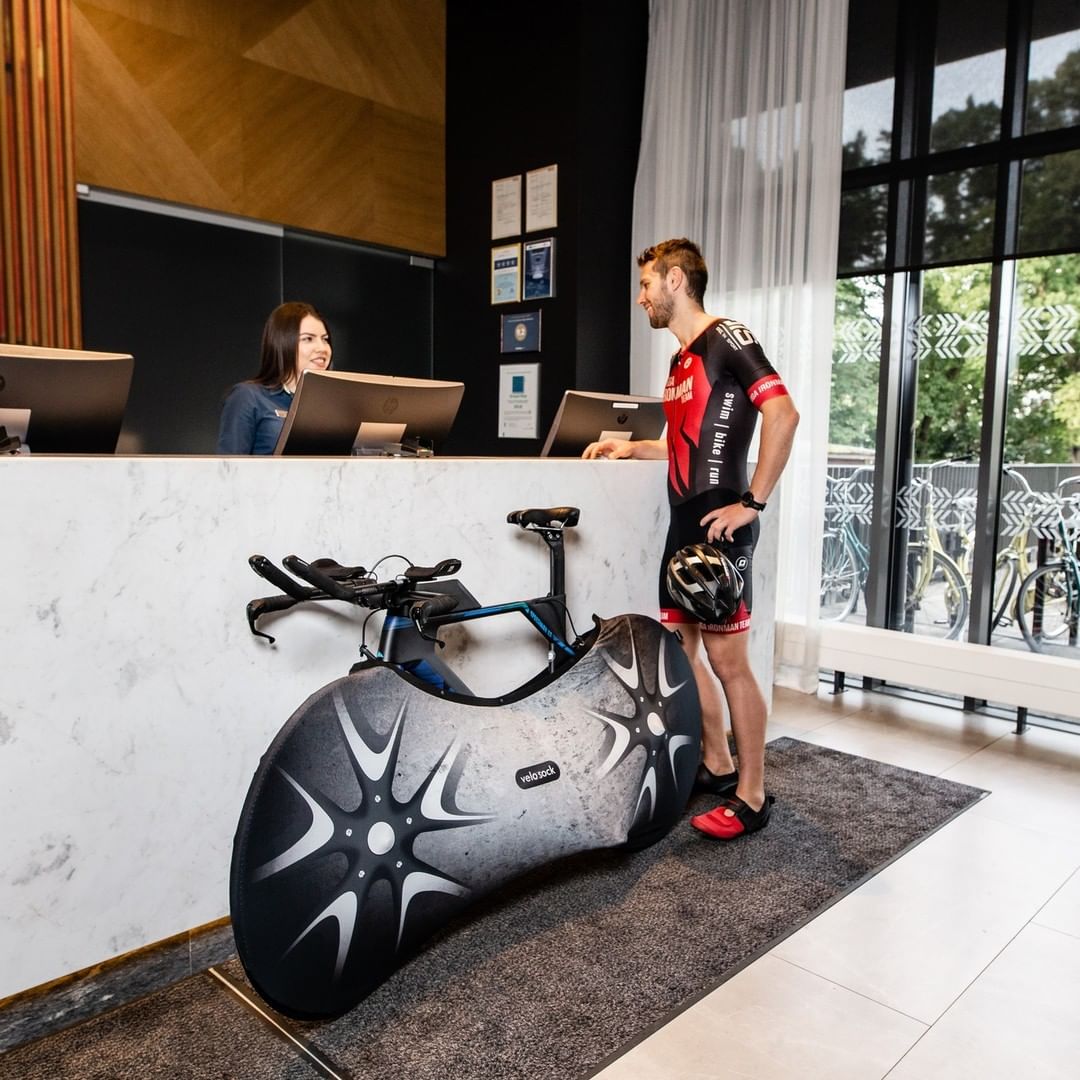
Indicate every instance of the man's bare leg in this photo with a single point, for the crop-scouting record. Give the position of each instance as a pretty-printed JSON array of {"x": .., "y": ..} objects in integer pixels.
[
  {"x": 729, "y": 657},
  {"x": 715, "y": 752}
]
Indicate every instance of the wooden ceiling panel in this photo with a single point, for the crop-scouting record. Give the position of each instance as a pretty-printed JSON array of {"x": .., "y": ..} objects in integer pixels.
[
  {"x": 189, "y": 85},
  {"x": 408, "y": 177},
  {"x": 306, "y": 152},
  {"x": 123, "y": 140},
  {"x": 235, "y": 25},
  {"x": 391, "y": 53},
  {"x": 330, "y": 118}
]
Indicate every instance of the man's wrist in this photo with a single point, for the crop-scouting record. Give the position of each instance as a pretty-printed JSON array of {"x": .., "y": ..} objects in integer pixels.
[{"x": 750, "y": 502}]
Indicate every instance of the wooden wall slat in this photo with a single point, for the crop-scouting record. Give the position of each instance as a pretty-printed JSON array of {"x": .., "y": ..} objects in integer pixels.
[
  {"x": 39, "y": 298},
  {"x": 40, "y": 196},
  {"x": 23, "y": 267},
  {"x": 59, "y": 156},
  {"x": 7, "y": 179}
]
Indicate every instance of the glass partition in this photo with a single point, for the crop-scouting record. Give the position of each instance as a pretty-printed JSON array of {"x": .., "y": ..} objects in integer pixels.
[
  {"x": 856, "y": 372},
  {"x": 969, "y": 74},
  {"x": 1053, "y": 99},
  {"x": 1036, "y": 571},
  {"x": 936, "y": 508},
  {"x": 1050, "y": 183},
  {"x": 960, "y": 214},
  {"x": 869, "y": 83},
  {"x": 863, "y": 223}
]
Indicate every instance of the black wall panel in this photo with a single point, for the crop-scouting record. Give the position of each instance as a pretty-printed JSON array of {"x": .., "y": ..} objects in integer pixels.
[
  {"x": 188, "y": 300},
  {"x": 576, "y": 103},
  {"x": 377, "y": 304}
]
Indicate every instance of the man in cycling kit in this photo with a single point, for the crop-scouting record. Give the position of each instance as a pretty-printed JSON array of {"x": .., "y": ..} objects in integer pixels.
[{"x": 718, "y": 383}]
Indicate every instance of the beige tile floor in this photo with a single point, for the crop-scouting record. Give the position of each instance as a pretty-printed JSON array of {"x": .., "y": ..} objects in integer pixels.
[{"x": 961, "y": 959}]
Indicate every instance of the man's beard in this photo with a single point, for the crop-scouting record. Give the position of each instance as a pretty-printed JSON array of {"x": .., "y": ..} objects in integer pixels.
[{"x": 660, "y": 315}]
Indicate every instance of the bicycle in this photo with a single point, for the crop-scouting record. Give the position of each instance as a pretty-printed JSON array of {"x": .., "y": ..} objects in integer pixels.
[
  {"x": 845, "y": 559},
  {"x": 935, "y": 594},
  {"x": 1048, "y": 603},
  {"x": 1014, "y": 562},
  {"x": 422, "y": 600},
  {"x": 392, "y": 797}
]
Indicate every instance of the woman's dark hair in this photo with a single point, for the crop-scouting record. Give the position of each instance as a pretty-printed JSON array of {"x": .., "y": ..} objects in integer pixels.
[{"x": 281, "y": 336}]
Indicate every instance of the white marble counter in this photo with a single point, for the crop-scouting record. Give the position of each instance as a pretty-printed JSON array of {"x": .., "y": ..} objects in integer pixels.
[{"x": 134, "y": 704}]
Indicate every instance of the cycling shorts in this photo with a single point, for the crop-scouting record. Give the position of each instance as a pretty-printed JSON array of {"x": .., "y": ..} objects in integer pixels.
[{"x": 685, "y": 529}]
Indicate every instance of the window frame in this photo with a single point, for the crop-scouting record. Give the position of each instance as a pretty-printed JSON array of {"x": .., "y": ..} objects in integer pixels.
[{"x": 907, "y": 174}]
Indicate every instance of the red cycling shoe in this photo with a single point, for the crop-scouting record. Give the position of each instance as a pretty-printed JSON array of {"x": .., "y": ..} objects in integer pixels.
[{"x": 719, "y": 825}]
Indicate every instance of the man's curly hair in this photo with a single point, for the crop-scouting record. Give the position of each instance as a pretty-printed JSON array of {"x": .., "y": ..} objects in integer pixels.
[{"x": 684, "y": 254}]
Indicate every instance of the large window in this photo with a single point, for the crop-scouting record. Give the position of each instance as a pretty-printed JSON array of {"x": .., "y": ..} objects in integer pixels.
[
  {"x": 868, "y": 93},
  {"x": 1053, "y": 59},
  {"x": 856, "y": 373},
  {"x": 969, "y": 73},
  {"x": 1036, "y": 575},
  {"x": 954, "y": 490}
]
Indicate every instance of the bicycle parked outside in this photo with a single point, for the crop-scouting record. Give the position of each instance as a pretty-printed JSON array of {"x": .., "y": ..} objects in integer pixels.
[
  {"x": 1013, "y": 562},
  {"x": 1048, "y": 604},
  {"x": 845, "y": 559},
  {"x": 935, "y": 595}
]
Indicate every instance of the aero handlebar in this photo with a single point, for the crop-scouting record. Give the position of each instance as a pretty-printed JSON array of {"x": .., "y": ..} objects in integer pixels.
[
  {"x": 328, "y": 580},
  {"x": 266, "y": 569},
  {"x": 318, "y": 577}
]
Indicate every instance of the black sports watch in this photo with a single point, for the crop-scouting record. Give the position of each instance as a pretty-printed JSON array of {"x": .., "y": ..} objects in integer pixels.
[{"x": 749, "y": 500}]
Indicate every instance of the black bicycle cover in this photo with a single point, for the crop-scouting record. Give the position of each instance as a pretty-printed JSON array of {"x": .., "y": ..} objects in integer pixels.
[{"x": 381, "y": 809}]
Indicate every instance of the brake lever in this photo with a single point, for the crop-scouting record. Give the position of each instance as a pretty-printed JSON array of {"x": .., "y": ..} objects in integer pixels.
[{"x": 263, "y": 606}]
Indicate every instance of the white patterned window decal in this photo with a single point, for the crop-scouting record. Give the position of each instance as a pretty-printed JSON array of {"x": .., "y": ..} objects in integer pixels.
[
  {"x": 1047, "y": 331},
  {"x": 952, "y": 335}
]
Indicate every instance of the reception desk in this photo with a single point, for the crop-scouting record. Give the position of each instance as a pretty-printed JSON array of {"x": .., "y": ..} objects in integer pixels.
[{"x": 134, "y": 703}]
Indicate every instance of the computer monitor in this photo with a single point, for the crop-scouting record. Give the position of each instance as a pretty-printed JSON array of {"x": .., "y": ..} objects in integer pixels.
[
  {"x": 335, "y": 412},
  {"x": 64, "y": 401},
  {"x": 586, "y": 417}
]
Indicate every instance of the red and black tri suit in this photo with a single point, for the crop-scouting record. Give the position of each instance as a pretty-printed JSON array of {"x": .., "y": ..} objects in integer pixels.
[{"x": 715, "y": 387}]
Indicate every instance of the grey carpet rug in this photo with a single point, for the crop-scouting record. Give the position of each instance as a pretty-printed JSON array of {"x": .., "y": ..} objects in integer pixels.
[{"x": 566, "y": 967}]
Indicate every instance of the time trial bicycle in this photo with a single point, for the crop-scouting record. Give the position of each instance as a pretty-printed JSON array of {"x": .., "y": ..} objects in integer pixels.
[{"x": 392, "y": 798}]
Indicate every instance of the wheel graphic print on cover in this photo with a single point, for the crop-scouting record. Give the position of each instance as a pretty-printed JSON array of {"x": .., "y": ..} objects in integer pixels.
[{"x": 381, "y": 809}]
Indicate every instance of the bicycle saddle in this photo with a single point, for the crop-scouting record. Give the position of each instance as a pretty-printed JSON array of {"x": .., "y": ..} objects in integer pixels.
[
  {"x": 381, "y": 810},
  {"x": 552, "y": 518}
]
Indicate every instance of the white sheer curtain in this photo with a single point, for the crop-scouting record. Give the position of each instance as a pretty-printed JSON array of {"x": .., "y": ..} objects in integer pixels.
[{"x": 741, "y": 152}]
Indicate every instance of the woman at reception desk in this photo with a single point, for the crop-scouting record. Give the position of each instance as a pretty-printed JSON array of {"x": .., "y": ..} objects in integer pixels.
[{"x": 295, "y": 339}]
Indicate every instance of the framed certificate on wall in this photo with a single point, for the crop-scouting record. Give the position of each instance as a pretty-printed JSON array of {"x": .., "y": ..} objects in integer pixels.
[
  {"x": 505, "y": 207},
  {"x": 539, "y": 269},
  {"x": 520, "y": 332},
  {"x": 506, "y": 274},
  {"x": 519, "y": 400},
  {"x": 541, "y": 198}
]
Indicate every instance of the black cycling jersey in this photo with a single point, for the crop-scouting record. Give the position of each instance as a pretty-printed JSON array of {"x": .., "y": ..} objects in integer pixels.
[{"x": 715, "y": 387}]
